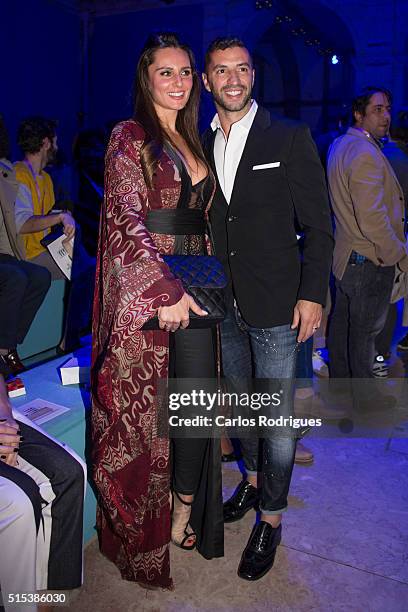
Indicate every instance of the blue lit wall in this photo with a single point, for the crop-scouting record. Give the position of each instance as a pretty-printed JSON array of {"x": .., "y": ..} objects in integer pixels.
[
  {"x": 39, "y": 46},
  {"x": 41, "y": 50},
  {"x": 115, "y": 44}
]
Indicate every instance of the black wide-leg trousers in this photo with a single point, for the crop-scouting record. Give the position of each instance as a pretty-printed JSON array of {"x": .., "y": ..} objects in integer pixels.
[{"x": 192, "y": 355}]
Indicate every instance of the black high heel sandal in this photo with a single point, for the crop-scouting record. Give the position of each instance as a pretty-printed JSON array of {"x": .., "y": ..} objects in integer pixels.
[{"x": 180, "y": 519}]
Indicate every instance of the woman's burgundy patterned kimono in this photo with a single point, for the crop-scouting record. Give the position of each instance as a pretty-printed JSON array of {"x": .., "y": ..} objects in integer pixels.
[{"x": 131, "y": 463}]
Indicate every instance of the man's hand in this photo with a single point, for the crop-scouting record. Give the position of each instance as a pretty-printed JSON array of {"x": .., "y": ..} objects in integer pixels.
[
  {"x": 68, "y": 246},
  {"x": 173, "y": 317},
  {"x": 38, "y": 223},
  {"x": 309, "y": 316},
  {"x": 9, "y": 440},
  {"x": 68, "y": 223}
]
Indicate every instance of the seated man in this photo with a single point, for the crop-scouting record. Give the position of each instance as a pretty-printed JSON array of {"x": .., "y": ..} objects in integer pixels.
[
  {"x": 41, "y": 509},
  {"x": 23, "y": 285},
  {"x": 38, "y": 140}
]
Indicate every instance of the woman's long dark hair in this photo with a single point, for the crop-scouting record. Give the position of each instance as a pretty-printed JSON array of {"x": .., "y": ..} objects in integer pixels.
[{"x": 145, "y": 113}]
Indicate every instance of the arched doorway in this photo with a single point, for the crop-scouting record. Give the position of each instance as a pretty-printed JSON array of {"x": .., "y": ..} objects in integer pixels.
[{"x": 294, "y": 46}]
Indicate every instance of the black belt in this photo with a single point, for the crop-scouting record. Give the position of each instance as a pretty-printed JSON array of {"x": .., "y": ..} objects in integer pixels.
[{"x": 178, "y": 221}]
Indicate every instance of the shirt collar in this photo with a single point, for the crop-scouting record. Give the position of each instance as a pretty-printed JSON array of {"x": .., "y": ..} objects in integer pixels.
[
  {"x": 245, "y": 122},
  {"x": 364, "y": 134}
]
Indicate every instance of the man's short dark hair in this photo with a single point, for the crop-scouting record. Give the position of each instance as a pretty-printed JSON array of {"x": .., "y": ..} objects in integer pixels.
[
  {"x": 220, "y": 44},
  {"x": 32, "y": 131},
  {"x": 361, "y": 101},
  {"x": 4, "y": 140}
]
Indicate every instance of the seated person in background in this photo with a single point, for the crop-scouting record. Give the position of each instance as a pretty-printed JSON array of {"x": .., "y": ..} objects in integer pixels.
[
  {"x": 38, "y": 140},
  {"x": 41, "y": 508},
  {"x": 23, "y": 285}
]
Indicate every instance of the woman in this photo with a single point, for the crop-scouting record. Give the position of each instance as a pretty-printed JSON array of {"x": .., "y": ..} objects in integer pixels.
[{"x": 154, "y": 168}]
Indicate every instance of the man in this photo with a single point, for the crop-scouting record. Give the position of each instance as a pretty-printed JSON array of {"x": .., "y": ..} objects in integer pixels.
[
  {"x": 38, "y": 140},
  {"x": 23, "y": 285},
  {"x": 41, "y": 509},
  {"x": 368, "y": 205},
  {"x": 269, "y": 178}
]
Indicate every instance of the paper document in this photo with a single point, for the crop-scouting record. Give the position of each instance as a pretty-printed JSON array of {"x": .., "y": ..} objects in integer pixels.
[
  {"x": 61, "y": 250},
  {"x": 40, "y": 411}
]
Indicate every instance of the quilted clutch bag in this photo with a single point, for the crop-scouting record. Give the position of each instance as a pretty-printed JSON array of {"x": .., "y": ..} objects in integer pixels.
[{"x": 203, "y": 278}]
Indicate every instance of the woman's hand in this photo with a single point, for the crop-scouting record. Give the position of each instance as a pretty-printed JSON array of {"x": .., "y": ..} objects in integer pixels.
[
  {"x": 173, "y": 317},
  {"x": 9, "y": 441}
]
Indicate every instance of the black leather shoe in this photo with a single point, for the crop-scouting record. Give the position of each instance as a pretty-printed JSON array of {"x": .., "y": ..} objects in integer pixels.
[
  {"x": 244, "y": 498},
  {"x": 12, "y": 361},
  {"x": 259, "y": 554}
]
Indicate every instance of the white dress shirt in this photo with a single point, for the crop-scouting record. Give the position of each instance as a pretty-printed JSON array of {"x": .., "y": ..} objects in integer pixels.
[{"x": 228, "y": 151}]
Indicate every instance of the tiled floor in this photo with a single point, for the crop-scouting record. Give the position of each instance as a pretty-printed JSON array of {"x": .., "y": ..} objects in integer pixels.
[{"x": 344, "y": 544}]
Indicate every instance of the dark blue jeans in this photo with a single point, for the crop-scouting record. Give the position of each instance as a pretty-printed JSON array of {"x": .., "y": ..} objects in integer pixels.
[
  {"x": 361, "y": 306},
  {"x": 23, "y": 287},
  {"x": 266, "y": 354},
  {"x": 304, "y": 365}
]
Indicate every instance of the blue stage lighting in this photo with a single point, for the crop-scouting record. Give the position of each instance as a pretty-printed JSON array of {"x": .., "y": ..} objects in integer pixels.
[{"x": 334, "y": 59}]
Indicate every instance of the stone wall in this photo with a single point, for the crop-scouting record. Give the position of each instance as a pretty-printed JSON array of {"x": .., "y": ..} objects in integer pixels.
[{"x": 377, "y": 47}]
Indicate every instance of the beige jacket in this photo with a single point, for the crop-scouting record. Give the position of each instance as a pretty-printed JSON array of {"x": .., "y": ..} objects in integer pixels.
[
  {"x": 367, "y": 201},
  {"x": 8, "y": 193}
]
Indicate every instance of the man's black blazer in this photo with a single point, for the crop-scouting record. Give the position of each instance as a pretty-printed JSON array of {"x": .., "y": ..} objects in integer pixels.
[{"x": 255, "y": 236}]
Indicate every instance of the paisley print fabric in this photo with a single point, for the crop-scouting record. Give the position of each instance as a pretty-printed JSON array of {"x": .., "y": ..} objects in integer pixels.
[{"x": 131, "y": 463}]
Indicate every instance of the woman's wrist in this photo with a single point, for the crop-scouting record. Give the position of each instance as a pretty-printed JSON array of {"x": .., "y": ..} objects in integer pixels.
[{"x": 5, "y": 411}]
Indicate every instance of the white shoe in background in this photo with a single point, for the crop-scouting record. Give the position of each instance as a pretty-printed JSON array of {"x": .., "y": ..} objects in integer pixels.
[
  {"x": 380, "y": 367},
  {"x": 320, "y": 367}
]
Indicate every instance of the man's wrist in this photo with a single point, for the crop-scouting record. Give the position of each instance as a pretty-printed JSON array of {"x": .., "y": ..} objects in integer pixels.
[
  {"x": 57, "y": 217},
  {"x": 302, "y": 299}
]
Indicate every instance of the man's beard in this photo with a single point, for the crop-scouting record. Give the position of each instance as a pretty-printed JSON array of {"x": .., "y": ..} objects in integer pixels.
[{"x": 231, "y": 105}]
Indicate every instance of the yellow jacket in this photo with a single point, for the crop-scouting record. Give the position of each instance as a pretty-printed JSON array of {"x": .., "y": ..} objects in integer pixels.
[{"x": 41, "y": 206}]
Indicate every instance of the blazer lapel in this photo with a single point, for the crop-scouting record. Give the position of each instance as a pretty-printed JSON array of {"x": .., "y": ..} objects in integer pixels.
[
  {"x": 359, "y": 134},
  {"x": 208, "y": 145},
  {"x": 398, "y": 184},
  {"x": 261, "y": 122}
]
